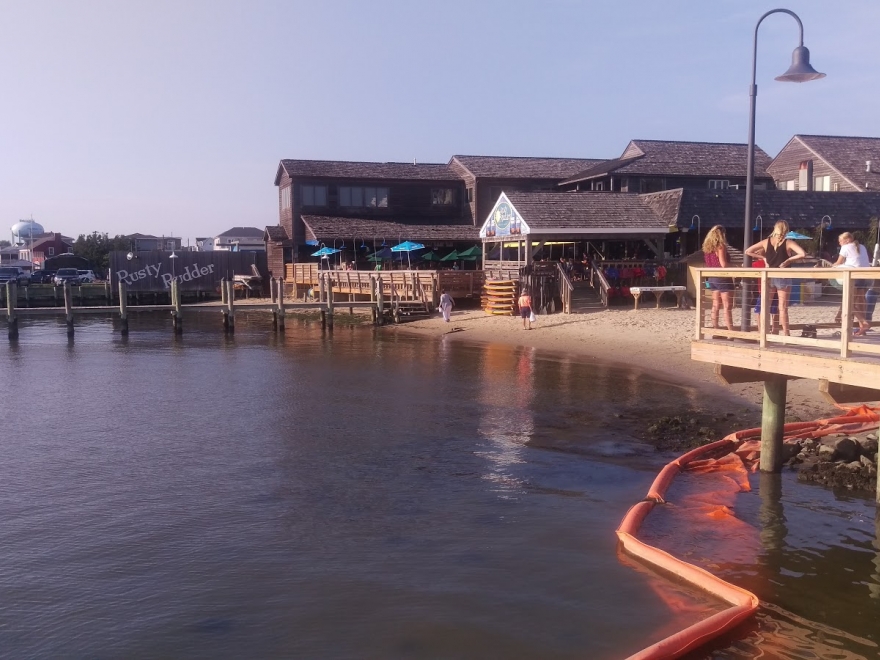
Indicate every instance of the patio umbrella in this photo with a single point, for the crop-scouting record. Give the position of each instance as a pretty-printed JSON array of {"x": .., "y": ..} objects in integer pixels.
[
  {"x": 407, "y": 246},
  {"x": 452, "y": 256},
  {"x": 325, "y": 252},
  {"x": 431, "y": 256},
  {"x": 793, "y": 235},
  {"x": 384, "y": 253},
  {"x": 473, "y": 251}
]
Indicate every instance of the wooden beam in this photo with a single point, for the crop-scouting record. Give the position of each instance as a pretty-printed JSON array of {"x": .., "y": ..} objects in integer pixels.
[
  {"x": 841, "y": 393},
  {"x": 655, "y": 246},
  {"x": 736, "y": 375}
]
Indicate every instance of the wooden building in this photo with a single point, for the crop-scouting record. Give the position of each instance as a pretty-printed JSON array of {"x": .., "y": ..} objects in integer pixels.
[
  {"x": 826, "y": 163},
  {"x": 647, "y": 166}
]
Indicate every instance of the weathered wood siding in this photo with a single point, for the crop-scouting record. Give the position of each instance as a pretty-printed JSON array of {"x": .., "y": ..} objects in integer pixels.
[{"x": 786, "y": 167}]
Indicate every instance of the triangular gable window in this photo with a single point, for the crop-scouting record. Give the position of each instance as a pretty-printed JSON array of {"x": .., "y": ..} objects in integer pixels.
[{"x": 504, "y": 220}]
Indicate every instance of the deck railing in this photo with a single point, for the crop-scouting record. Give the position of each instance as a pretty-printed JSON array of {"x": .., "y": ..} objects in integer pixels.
[
  {"x": 565, "y": 289},
  {"x": 823, "y": 305}
]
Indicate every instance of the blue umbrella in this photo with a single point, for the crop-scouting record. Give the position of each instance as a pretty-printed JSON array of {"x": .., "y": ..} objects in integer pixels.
[
  {"x": 407, "y": 246},
  {"x": 793, "y": 235},
  {"x": 325, "y": 252}
]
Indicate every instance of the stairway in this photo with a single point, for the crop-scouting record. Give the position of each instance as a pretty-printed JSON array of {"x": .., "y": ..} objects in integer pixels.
[{"x": 585, "y": 299}]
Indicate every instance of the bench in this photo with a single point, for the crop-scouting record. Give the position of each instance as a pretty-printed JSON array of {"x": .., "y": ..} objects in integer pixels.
[{"x": 658, "y": 292}]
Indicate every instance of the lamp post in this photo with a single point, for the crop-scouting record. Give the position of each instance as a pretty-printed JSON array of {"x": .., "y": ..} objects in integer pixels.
[
  {"x": 761, "y": 230},
  {"x": 799, "y": 71},
  {"x": 697, "y": 218},
  {"x": 822, "y": 228}
]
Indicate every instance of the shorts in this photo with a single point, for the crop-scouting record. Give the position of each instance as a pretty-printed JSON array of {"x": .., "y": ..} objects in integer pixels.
[
  {"x": 525, "y": 312},
  {"x": 863, "y": 284},
  {"x": 781, "y": 282},
  {"x": 720, "y": 284}
]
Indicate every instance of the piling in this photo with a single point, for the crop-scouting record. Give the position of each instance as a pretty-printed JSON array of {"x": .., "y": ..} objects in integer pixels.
[
  {"x": 772, "y": 422},
  {"x": 11, "y": 318},
  {"x": 280, "y": 311},
  {"x": 223, "y": 291},
  {"x": 68, "y": 308},
  {"x": 123, "y": 307},
  {"x": 176, "y": 313},
  {"x": 230, "y": 306},
  {"x": 380, "y": 303},
  {"x": 329, "y": 301},
  {"x": 272, "y": 295}
]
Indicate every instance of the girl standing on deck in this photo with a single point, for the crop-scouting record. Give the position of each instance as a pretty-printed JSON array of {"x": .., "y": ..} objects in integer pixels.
[
  {"x": 716, "y": 256},
  {"x": 778, "y": 252}
]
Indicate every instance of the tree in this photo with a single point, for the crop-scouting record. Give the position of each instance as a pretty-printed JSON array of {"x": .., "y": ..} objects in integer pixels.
[{"x": 96, "y": 247}]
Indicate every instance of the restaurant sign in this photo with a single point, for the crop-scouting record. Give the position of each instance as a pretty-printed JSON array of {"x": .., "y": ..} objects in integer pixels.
[{"x": 504, "y": 220}]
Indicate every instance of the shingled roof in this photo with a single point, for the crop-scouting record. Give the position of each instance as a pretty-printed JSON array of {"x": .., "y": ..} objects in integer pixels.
[
  {"x": 515, "y": 167},
  {"x": 275, "y": 233},
  {"x": 675, "y": 158},
  {"x": 605, "y": 213},
  {"x": 848, "y": 156},
  {"x": 341, "y": 169},
  {"x": 801, "y": 209},
  {"x": 327, "y": 228},
  {"x": 242, "y": 231}
]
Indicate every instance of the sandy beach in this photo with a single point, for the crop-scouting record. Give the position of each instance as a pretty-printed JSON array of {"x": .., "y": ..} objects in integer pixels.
[{"x": 655, "y": 340}]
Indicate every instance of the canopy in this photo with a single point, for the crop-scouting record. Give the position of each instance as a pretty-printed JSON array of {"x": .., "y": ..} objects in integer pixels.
[
  {"x": 473, "y": 251},
  {"x": 407, "y": 246},
  {"x": 382, "y": 253},
  {"x": 325, "y": 252},
  {"x": 431, "y": 256},
  {"x": 798, "y": 237},
  {"x": 452, "y": 256}
]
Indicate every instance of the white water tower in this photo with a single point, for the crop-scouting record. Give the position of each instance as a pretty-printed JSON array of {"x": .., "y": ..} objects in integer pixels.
[{"x": 24, "y": 231}]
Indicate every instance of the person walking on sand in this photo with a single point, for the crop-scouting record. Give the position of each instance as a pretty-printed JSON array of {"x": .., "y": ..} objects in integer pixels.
[
  {"x": 716, "y": 256},
  {"x": 525, "y": 309},
  {"x": 446, "y": 304},
  {"x": 778, "y": 252}
]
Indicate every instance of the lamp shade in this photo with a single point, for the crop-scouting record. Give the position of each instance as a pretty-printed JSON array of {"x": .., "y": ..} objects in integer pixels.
[{"x": 800, "y": 69}]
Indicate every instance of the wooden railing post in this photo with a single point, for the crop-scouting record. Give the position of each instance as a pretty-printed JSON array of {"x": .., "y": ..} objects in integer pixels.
[
  {"x": 846, "y": 312},
  {"x": 229, "y": 322},
  {"x": 11, "y": 318},
  {"x": 68, "y": 308},
  {"x": 280, "y": 311}
]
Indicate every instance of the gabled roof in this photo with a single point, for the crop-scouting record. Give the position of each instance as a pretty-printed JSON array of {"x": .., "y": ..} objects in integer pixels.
[
  {"x": 801, "y": 209},
  {"x": 243, "y": 231},
  {"x": 677, "y": 158},
  {"x": 595, "y": 212},
  {"x": 515, "y": 167},
  {"x": 847, "y": 156},
  {"x": 275, "y": 233},
  {"x": 324, "y": 228},
  {"x": 340, "y": 169}
]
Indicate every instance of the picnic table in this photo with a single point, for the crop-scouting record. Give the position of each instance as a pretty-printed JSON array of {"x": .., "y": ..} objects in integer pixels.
[{"x": 658, "y": 292}]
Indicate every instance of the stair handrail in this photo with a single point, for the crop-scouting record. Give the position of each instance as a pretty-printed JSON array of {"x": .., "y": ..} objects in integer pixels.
[
  {"x": 598, "y": 251},
  {"x": 598, "y": 282},
  {"x": 565, "y": 288}
]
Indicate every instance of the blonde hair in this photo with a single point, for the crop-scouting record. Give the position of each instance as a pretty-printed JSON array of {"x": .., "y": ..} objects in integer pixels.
[
  {"x": 780, "y": 229},
  {"x": 715, "y": 239},
  {"x": 848, "y": 237}
]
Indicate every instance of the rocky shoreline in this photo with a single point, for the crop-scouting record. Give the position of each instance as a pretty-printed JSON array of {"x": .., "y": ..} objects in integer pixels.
[{"x": 840, "y": 461}]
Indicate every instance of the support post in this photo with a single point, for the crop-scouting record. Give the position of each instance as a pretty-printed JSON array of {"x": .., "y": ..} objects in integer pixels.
[
  {"x": 272, "y": 290},
  {"x": 230, "y": 306},
  {"x": 68, "y": 308},
  {"x": 329, "y": 290},
  {"x": 772, "y": 422},
  {"x": 11, "y": 318},
  {"x": 123, "y": 307},
  {"x": 223, "y": 292},
  {"x": 177, "y": 311},
  {"x": 380, "y": 303}
]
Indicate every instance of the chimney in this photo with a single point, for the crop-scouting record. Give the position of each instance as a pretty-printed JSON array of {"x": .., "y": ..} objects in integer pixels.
[
  {"x": 867, "y": 166},
  {"x": 805, "y": 175}
]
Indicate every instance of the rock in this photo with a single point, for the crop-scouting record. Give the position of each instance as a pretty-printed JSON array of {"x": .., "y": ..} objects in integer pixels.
[
  {"x": 846, "y": 449},
  {"x": 790, "y": 450},
  {"x": 868, "y": 445},
  {"x": 810, "y": 444},
  {"x": 825, "y": 452},
  {"x": 855, "y": 466},
  {"x": 867, "y": 462},
  {"x": 801, "y": 457},
  {"x": 872, "y": 436}
]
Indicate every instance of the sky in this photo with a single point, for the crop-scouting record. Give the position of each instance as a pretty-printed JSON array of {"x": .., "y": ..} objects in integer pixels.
[{"x": 170, "y": 117}]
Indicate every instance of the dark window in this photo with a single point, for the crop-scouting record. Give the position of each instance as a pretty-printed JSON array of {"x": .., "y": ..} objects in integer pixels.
[
  {"x": 314, "y": 195},
  {"x": 359, "y": 197},
  {"x": 719, "y": 184}
]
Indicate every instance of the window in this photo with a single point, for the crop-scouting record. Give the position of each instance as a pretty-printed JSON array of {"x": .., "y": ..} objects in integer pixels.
[
  {"x": 359, "y": 197},
  {"x": 822, "y": 183},
  {"x": 470, "y": 195},
  {"x": 719, "y": 184},
  {"x": 169, "y": 245},
  {"x": 51, "y": 252},
  {"x": 791, "y": 185},
  {"x": 442, "y": 197},
  {"x": 314, "y": 195},
  {"x": 598, "y": 185},
  {"x": 285, "y": 197}
]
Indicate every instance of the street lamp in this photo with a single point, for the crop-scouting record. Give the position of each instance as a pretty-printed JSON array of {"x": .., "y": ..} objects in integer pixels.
[
  {"x": 755, "y": 228},
  {"x": 697, "y": 218},
  {"x": 799, "y": 71}
]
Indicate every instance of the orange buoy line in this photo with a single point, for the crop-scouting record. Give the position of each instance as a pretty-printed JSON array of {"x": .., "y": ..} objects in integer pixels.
[{"x": 744, "y": 447}]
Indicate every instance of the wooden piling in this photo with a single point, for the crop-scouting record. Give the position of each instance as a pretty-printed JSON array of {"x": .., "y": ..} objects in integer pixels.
[
  {"x": 772, "y": 422},
  {"x": 123, "y": 307},
  {"x": 68, "y": 308},
  {"x": 11, "y": 318},
  {"x": 177, "y": 312},
  {"x": 380, "y": 303},
  {"x": 280, "y": 311},
  {"x": 329, "y": 301},
  {"x": 230, "y": 306},
  {"x": 272, "y": 295},
  {"x": 223, "y": 291}
]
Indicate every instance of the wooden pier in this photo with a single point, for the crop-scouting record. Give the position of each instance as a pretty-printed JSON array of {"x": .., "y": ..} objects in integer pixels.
[{"x": 846, "y": 367}]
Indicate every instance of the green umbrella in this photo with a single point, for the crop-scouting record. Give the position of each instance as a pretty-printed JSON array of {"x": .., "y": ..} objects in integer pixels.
[
  {"x": 452, "y": 256},
  {"x": 473, "y": 251},
  {"x": 430, "y": 256}
]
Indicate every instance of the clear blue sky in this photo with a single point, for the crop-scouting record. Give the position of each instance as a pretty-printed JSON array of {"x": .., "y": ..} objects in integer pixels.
[{"x": 170, "y": 117}]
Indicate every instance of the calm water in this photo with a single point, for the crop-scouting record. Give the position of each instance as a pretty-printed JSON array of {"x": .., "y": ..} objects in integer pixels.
[{"x": 353, "y": 496}]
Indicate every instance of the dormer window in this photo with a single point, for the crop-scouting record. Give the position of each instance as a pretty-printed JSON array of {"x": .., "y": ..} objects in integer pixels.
[{"x": 442, "y": 197}]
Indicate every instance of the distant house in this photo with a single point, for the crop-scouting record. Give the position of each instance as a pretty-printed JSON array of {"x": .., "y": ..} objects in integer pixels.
[
  {"x": 148, "y": 242},
  {"x": 827, "y": 163},
  {"x": 44, "y": 247},
  {"x": 648, "y": 166},
  {"x": 9, "y": 254},
  {"x": 204, "y": 244},
  {"x": 240, "y": 239}
]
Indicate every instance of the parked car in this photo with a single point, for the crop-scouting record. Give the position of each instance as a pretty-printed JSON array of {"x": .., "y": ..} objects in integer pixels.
[
  {"x": 63, "y": 275},
  {"x": 12, "y": 274},
  {"x": 86, "y": 276},
  {"x": 42, "y": 277}
]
